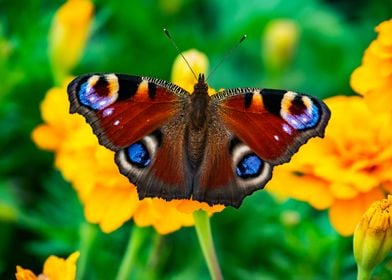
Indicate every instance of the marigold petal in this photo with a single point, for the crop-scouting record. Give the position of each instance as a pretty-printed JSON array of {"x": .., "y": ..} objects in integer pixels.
[
  {"x": 108, "y": 171},
  {"x": 146, "y": 214},
  {"x": 364, "y": 79},
  {"x": 387, "y": 185},
  {"x": 47, "y": 138},
  {"x": 310, "y": 189},
  {"x": 189, "y": 206},
  {"x": 343, "y": 191},
  {"x": 171, "y": 219},
  {"x": 81, "y": 138},
  {"x": 345, "y": 214},
  {"x": 55, "y": 106},
  {"x": 377, "y": 57},
  {"x": 56, "y": 268},
  {"x": 373, "y": 78},
  {"x": 162, "y": 215},
  {"x": 111, "y": 207},
  {"x": 24, "y": 274},
  {"x": 385, "y": 28},
  {"x": 377, "y": 98}
]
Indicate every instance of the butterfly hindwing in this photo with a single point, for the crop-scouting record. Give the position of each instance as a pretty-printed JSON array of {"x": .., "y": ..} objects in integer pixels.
[
  {"x": 141, "y": 120},
  {"x": 218, "y": 180}
]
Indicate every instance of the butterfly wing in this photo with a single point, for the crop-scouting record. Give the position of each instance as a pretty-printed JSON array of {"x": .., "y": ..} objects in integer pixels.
[
  {"x": 141, "y": 120},
  {"x": 252, "y": 131},
  {"x": 215, "y": 181}
]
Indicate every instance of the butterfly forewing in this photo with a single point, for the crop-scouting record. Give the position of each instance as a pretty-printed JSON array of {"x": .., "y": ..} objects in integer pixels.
[
  {"x": 121, "y": 108},
  {"x": 273, "y": 123}
]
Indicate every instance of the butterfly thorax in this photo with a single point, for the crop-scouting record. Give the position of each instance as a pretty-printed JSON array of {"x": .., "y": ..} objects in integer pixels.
[
  {"x": 199, "y": 104},
  {"x": 196, "y": 135}
]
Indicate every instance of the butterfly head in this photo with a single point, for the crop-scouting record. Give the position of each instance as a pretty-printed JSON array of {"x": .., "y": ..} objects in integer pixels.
[{"x": 201, "y": 86}]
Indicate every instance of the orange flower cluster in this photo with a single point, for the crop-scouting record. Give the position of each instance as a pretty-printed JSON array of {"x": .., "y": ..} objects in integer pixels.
[
  {"x": 354, "y": 162},
  {"x": 108, "y": 198},
  {"x": 55, "y": 268},
  {"x": 373, "y": 79}
]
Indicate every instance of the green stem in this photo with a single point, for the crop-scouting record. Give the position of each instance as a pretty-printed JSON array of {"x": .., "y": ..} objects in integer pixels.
[
  {"x": 128, "y": 262},
  {"x": 363, "y": 274},
  {"x": 155, "y": 255},
  {"x": 203, "y": 230},
  {"x": 88, "y": 233}
]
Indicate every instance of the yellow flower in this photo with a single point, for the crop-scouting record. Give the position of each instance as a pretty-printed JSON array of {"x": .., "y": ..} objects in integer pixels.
[
  {"x": 373, "y": 237},
  {"x": 373, "y": 78},
  {"x": 108, "y": 198},
  {"x": 68, "y": 35},
  {"x": 55, "y": 268},
  {"x": 279, "y": 43},
  {"x": 182, "y": 75},
  {"x": 352, "y": 168}
]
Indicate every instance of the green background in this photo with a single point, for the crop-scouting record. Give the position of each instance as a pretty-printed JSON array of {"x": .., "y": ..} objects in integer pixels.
[{"x": 40, "y": 213}]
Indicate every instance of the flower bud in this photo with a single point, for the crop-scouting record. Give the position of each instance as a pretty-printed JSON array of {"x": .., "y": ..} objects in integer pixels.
[
  {"x": 182, "y": 75},
  {"x": 278, "y": 44},
  {"x": 373, "y": 237},
  {"x": 68, "y": 35}
]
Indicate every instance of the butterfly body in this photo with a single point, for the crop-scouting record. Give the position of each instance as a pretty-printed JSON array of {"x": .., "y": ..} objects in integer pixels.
[
  {"x": 196, "y": 124},
  {"x": 174, "y": 144}
]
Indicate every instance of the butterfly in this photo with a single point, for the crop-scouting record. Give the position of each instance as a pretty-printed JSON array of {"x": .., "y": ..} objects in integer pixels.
[{"x": 177, "y": 145}]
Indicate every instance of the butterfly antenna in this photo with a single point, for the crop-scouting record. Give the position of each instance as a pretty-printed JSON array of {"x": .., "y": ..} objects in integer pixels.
[
  {"x": 226, "y": 55},
  {"x": 179, "y": 52}
]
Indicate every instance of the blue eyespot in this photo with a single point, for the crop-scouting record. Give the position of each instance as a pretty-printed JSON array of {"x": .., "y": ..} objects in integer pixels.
[
  {"x": 306, "y": 119},
  {"x": 309, "y": 119},
  {"x": 94, "y": 97},
  {"x": 249, "y": 167},
  {"x": 138, "y": 155}
]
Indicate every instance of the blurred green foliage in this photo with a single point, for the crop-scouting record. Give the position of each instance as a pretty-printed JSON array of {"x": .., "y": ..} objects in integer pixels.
[{"x": 40, "y": 213}]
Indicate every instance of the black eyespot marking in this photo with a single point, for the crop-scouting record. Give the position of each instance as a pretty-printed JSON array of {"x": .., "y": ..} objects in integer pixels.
[
  {"x": 138, "y": 155},
  {"x": 248, "y": 99},
  {"x": 158, "y": 136},
  {"x": 152, "y": 90},
  {"x": 128, "y": 86},
  {"x": 272, "y": 100},
  {"x": 250, "y": 166},
  {"x": 233, "y": 143}
]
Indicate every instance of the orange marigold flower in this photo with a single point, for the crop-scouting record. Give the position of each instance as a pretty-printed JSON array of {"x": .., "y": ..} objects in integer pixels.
[
  {"x": 352, "y": 168},
  {"x": 55, "y": 268},
  {"x": 373, "y": 79},
  {"x": 108, "y": 198}
]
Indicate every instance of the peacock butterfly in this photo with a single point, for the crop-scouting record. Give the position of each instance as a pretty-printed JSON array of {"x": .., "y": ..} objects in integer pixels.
[{"x": 173, "y": 144}]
